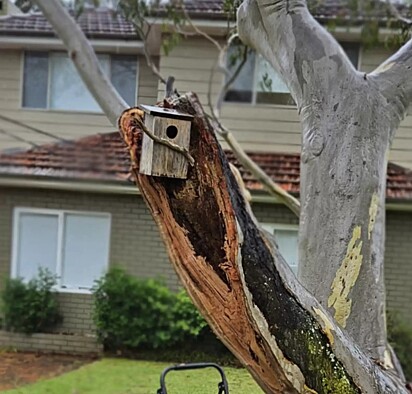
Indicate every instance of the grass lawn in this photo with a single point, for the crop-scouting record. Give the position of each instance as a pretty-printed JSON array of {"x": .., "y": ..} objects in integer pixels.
[{"x": 120, "y": 376}]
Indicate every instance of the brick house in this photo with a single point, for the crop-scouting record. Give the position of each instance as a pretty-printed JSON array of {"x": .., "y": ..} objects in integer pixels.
[
  {"x": 67, "y": 187},
  {"x": 81, "y": 193}
]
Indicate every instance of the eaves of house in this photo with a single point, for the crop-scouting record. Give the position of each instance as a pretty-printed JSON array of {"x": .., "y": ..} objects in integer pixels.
[
  {"x": 101, "y": 164},
  {"x": 104, "y": 24}
]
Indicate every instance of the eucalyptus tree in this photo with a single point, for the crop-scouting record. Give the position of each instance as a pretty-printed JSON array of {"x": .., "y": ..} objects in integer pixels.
[{"x": 326, "y": 332}]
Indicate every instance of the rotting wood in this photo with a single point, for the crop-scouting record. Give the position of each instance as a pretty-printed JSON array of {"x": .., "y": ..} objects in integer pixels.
[{"x": 238, "y": 280}]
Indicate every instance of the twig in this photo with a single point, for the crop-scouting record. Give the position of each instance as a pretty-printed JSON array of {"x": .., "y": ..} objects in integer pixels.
[
  {"x": 197, "y": 30},
  {"x": 395, "y": 12},
  {"x": 230, "y": 81},
  {"x": 274, "y": 189},
  {"x": 238, "y": 151},
  {"x": 166, "y": 142},
  {"x": 146, "y": 53}
]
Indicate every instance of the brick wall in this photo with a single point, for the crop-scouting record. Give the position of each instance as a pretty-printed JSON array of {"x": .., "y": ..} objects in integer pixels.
[
  {"x": 135, "y": 242},
  {"x": 50, "y": 343},
  {"x": 77, "y": 310},
  {"x": 136, "y": 245}
]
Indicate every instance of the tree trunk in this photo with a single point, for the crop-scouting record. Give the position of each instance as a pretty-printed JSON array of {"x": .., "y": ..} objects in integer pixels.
[
  {"x": 348, "y": 120},
  {"x": 235, "y": 275},
  {"x": 232, "y": 270}
]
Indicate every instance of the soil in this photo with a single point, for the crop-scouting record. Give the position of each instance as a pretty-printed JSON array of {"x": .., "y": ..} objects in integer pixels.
[{"x": 17, "y": 369}]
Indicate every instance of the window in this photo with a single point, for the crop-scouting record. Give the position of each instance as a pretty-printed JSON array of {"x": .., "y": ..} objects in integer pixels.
[
  {"x": 259, "y": 83},
  {"x": 286, "y": 236},
  {"x": 51, "y": 81},
  {"x": 72, "y": 245}
]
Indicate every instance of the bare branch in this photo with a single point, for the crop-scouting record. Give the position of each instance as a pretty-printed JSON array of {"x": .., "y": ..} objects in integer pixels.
[
  {"x": 226, "y": 86},
  {"x": 274, "y": 189},
  {"x": 394, "y": 79},
  {"x": 197, "y": 30},
  {"x": 395, "y": 12},
  {"x": 307, "y": 57},
  {"x": 149, "y": 61}
]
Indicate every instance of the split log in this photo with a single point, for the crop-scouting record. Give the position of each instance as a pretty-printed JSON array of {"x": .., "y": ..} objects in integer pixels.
[{"x": 235, "y": 275}]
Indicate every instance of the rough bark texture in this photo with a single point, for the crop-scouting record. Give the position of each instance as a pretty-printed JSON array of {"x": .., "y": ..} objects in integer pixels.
[
  {"x": 235, "y": 275},
  {"x": 348, "y": 120}
]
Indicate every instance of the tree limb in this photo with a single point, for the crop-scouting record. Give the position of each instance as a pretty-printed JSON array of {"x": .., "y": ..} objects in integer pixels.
[
  {"x": 303, "y": 52},
  {"x": 239, "y": 281},
  {"x": 395, "y": 12},
  {"x": 394, "y": 79},
  {"x": 84, "y": 58}
]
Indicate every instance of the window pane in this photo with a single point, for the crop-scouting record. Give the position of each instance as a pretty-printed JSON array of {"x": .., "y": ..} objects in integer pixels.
[
  {"x": 85, "y": 250},
  {"x": 67, "y": 90},
  {"x": 36, "y": 244},
  {"x": 287, "y": 241},
  {"x": 269, "y": 85},
  {"x": 352, "y": 50},
  {"x": 123, "y": 76},
  {"x": 267, "y": 79},
  {"x": 242, "y": 86},
  {"x": 35, "y": 77}
]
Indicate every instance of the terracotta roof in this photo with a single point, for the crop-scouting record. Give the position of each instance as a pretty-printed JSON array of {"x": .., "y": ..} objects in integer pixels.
[
  {"x": 104, "y": 157},
  {"x": 95, "y": 23},
  {"x": 104, "y": 23}
]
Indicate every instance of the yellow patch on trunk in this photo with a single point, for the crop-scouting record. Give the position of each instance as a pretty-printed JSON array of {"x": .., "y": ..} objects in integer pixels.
[
  {"x": 345, "y": 279},
  {"x": 384, "y": 67},
  {"x": 373, "y": 211},
  {"x": 327, "y": 324},
  {"x": 387, "y": 361}
]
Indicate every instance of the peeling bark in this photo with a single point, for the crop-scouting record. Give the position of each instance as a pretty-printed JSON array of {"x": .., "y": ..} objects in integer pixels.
[{"x": 237, "y": 278}]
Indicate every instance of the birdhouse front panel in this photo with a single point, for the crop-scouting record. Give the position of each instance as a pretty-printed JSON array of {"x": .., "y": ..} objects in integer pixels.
[{"x": 158, "y": 159}]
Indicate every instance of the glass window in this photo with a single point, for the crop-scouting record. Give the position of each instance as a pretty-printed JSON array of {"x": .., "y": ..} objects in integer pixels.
[
  {"x": 85, "y": 249},
  {"x": 67, "y": 90},
  {"x": 51, "y": 81},
  {"x": 36, "y": 70},
  {"x": 123, "y": 70},
  {"x": 242, "y": 87},
  {"x": 36, "y": 248},
  {"x": 73, "y": 246},
  {"x": 259, "y": 83},
  {"x": 287, "y": 239}
]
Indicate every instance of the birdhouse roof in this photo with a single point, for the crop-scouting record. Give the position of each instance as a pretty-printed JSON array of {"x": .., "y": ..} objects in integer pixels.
[{"x": 165, "y": 112}]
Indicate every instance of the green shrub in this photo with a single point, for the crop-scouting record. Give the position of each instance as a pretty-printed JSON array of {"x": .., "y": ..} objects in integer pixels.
[
  {"x": 130, "y": 313},
  {"x": 187, "y": 323},
  {"x": 400, "y": 337},
  {"x": 30, "y": 307}
]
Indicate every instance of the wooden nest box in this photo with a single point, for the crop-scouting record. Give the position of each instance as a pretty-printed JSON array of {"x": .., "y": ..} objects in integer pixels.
[{"x": 160, "y": 160}]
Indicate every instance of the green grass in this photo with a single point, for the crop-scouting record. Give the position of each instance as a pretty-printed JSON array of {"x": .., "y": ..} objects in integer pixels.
[{"x": 120, "y": 376}]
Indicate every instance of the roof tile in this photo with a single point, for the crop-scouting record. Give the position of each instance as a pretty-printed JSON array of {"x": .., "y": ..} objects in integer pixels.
[
  {"x": 105, "y": 23},
  {"x": 104, "y": 157}
]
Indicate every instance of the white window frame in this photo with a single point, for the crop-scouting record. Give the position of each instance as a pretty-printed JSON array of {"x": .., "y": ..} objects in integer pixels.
[
  {"x": 270, "y": 227},
  {"x": 23, "y": 62},
  {"x": 255, "y": 75},
  {"x": 60, "y": 213}
]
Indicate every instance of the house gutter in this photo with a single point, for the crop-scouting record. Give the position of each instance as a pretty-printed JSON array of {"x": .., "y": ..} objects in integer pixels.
[
  {"x": 130, "y": 189},
  {"x": 70, "y": 185},
  {"x": 117, "y": 46},
  {"x": 391, "y": 204}
]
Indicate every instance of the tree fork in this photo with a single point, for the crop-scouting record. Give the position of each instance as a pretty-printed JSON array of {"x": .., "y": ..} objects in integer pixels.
[{"x": 235, "y": 275}]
